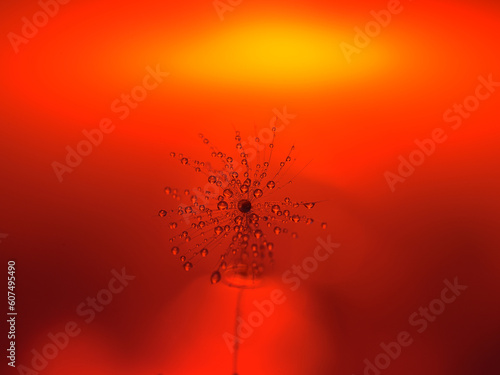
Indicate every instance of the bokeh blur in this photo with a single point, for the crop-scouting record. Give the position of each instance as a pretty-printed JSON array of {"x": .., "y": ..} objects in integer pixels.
[{"x": 392, "y": 107}]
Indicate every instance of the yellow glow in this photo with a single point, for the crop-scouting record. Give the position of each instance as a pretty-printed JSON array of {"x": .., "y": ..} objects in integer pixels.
[{"x": 262, "y": 55}]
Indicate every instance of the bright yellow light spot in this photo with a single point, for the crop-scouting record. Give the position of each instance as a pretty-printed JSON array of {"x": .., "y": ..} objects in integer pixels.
[{"x": 263, "y": 55}]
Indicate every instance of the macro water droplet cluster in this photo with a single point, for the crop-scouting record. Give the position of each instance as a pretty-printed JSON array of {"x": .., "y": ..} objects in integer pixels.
[{"x": 235, "y": 216}]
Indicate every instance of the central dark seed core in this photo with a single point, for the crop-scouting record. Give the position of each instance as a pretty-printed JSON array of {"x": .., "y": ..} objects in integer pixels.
[{"x": 244, "y": 206}]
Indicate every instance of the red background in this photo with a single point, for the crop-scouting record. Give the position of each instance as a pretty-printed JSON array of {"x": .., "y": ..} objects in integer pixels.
[{"x": 353, "y": 121}]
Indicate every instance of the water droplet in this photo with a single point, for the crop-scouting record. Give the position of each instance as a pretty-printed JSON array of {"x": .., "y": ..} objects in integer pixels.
[
  {"x": 294, "y": 235},
  {"x": 288, "y": 158},
  {"x": 254, "y": 218},
  {"x": 258, "y": 233},
  {"x": 162, "y": 213},
  {"x": 309, "y": 221},
  {"x": 257, "y": 193},
  {"x": 172, "y": 154},
  {"x": 204, "y": 252},
  {"x": 184, "y": 161},
  {"x": 183, "y": 258},
  {"x": 222, "y": 205},
  {"x": 212, "y": 179},
  {"x": 323, "y": 225},
  {"x": 271, "y": 185},
  {"x": 282, "y": 164},
  {"x": 175, "y": 250},
  {"x": 275, "y": 208},
  {"x": 277, "y": 230},
  {"x": 244, "y": 188},
  {"x": 188, "y": 266},
  {"x": 173, "y": 225},
  {"x": 218, "y": 230},
  {"x": 168, "y": 190},
  {"x": 228, "y": 193},
  {"x": 229, "y": 159},
  {"x": 309, "y": 205},
  {"x": 295, "y": 218},
  {"x": 215, "y": 278}
]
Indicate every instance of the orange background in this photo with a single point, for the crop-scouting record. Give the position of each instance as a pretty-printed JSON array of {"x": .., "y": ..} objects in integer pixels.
[{"x": 353, "y": 121}]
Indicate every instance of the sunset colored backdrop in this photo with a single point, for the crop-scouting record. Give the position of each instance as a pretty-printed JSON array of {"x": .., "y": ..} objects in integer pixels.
[{"x": 393, "y": 111}]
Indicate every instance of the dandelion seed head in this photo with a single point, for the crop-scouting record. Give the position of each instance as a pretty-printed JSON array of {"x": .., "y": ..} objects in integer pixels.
[{"x": 235, "y": 217}]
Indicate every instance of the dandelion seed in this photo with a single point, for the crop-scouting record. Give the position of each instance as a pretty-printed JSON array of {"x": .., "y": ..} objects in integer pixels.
[{"x": 232, "y": 216}]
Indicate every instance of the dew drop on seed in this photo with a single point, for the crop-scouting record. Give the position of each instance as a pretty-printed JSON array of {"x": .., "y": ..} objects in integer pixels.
[
  {"x": 271, "y": 185},
  {"x": 222, "y": 205},
  {"x": 215, "y": 278},
  {"x": 257, "y": 193}
]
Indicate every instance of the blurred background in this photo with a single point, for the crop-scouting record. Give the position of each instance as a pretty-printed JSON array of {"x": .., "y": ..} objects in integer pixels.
[{"x": 68, "y": 222}]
